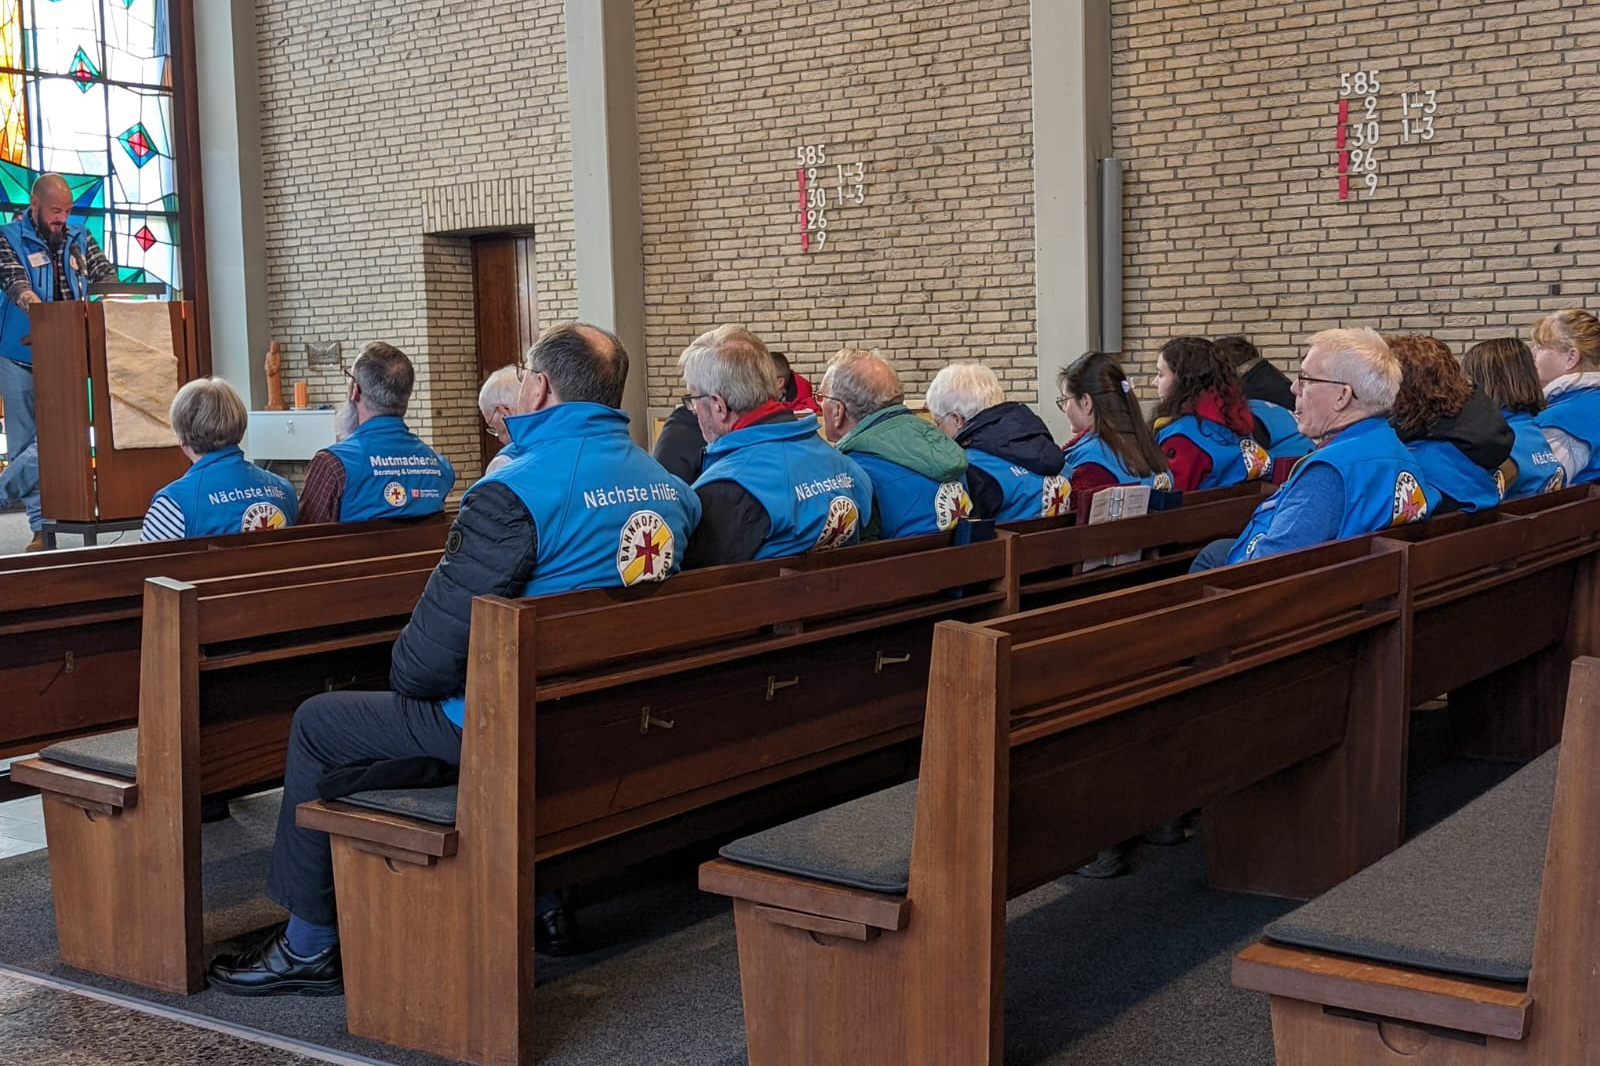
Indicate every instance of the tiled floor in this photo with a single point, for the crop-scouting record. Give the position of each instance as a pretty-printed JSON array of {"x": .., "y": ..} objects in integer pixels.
[{"x": 21, "y": 825}]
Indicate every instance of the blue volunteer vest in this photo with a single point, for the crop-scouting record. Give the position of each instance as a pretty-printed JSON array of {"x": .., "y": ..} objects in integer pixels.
[
  {"x": 223, "y": 492},
  {"x": 1286, "y": 441},
  {"x": 1089, "y": 448},
  {"x": 1447, "y": 470},
  {"x": 604, "y": 512},
  {"x": 815, "y": 498},
  {"x": 910, "y": 503},
  {"x": 1577, "y": 412},
  {"x": 390, "y": 473},
  {"x": 1538, "y": 469},
  {"x": 1383, "y": 485},
  {"x": 29, "y": 246},
  {"x": 1026, "y": 494},
  {"x": 1233, "y": 458}
]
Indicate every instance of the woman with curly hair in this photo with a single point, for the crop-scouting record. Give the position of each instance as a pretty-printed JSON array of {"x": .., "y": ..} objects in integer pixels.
[
  {"x": 1503, "y": 368},
  {"x": 1566, "y": 352},
  {"x": 1112, "y": 445},
  {"x": 1454, "y": 429},
  {"x": 1202, "y": 420}
]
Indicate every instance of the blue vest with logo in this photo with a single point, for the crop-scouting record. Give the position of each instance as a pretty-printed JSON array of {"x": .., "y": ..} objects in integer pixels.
[
  {"x": 1383, "y": 485},
  {"x": 1027, "y": 495},
  {"x": 1089, "y": 448},
  {"x": 604, "y": 512},
  {"x": 223, "y": 492},
  {"x": 390, "y": 473},
  {"x": 910, "y": 503},
  {"x": 1447, "y": 470},
  {"x": 1286, "y": 441},
  {"x": 815, "y": 498},
  {"x": 1538, "y": 469},
  {"x": 1233, "y": 458},
  {"x": 29, "y": 246},
  {"x": 1577, "y": 412}
]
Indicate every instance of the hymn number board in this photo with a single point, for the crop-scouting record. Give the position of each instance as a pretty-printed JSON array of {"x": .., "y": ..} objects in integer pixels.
[
  {"x": 825, "y": 185},
  {"x": 1360, "y": 131}
]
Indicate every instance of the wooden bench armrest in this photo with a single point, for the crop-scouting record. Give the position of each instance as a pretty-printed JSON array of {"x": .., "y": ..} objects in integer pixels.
[
  {"x": 805, "y": 899},
  {"x": 388, "y": 833},
  {"x": 83, "y": 788},
  {"x": 1425, "y": 997}
]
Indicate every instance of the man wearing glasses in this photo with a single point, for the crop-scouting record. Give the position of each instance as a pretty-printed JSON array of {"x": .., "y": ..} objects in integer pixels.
[
  {"x": 770, "y": 485},
  {"x": 1360, "y": 478},
  {"x": 379, "y": 468}
]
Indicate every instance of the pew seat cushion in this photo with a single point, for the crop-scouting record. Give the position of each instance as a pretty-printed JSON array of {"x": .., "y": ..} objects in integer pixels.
[
  {"x": 437, "y": 805},
  {"x": 116, "y": 753},
  {"x": 863, "y": 844},
  {"x": 1461, "y": 898}
]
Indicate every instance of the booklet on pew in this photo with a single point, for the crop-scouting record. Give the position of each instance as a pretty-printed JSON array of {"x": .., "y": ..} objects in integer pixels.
[{"x": 1110, "y": 504}]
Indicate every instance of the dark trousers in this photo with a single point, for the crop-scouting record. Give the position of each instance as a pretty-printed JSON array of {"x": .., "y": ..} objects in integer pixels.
[
  {"x": 1211, "y": 556},
  {"x": 337, "y": 729}
]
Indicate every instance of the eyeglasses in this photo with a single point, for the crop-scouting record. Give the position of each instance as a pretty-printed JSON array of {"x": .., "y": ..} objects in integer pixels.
[
  {"x": 1307, "y": 379},
  {"x": 522, "y": 371},
  {"x": 689, "y": 398},
  {"x": 1061, "y": 403},
  {"x": 346, "y": 371},
  {"x": 822, "y": 397}
]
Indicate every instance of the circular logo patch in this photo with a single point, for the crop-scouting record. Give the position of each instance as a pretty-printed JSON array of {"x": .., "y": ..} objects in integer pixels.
[
  {"x": 1056, "y": 497},
  {"x": 1257, "y": 463},
  {"x": 840, "y": 528},
  {"x": 1500, "y": 482},
  {"x": 951, "y": 504},
  {"x": 259, "y": 516},
  {"x": 645, "y": 550},
  {"x": 395, "y": 494},
  {"x": 1557, "y": 482},
  {"x": 1162, "y": 481},
  {"x": 1410, "y": 502}
]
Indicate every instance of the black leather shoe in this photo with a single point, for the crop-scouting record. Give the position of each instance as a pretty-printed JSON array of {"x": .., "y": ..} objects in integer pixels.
[
  {"x": 555, "y": 932},
  {"x": 271, "y": 969}
]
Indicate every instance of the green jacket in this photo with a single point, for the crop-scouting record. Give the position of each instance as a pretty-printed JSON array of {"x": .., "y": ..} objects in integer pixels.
[{"x": 896, "y": 435}]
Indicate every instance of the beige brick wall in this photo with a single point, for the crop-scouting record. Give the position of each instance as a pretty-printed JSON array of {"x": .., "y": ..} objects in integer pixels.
[
  {"x": 934, "y": 100},
  {"x": 387, "y": 131},
  {"x": 1226, "y": 116}
]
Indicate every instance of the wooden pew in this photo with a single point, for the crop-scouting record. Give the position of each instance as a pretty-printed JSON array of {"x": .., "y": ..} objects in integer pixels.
[
  {"x": 1052, "y": 734},
  {"x": 223, "y": 664},
  {"x": 1340, "y": 1009},
  {"x": 647, "y": 708},
  {"x": 70, "y": 629}
]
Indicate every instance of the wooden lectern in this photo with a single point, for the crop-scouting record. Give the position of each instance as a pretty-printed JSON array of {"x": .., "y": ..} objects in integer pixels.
[{"x": 83, "y": 476}]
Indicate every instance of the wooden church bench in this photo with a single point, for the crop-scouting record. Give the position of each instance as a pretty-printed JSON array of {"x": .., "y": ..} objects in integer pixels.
[
  {"x": 1045, "y": 740},
  {"x": 71, "y": 629},
  {"x": 223, "y": 665},
  {"x": 1500, "y": 966}
]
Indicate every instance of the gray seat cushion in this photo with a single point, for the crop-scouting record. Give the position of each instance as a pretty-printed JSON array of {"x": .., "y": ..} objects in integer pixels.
[
  {"x": 865, "y": 843},
  {"x": 427, "y": 804},
  {"x": 1461, "y": 898},
  {"x": 116, "y": 754}
]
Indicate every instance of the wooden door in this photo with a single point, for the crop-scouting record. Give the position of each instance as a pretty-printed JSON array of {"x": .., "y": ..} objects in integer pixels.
[{"x": 505, "y": 308}]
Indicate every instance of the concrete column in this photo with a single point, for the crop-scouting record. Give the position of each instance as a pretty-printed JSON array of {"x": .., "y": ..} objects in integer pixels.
[
  {"x": 601, "y": 94},
  {"x": 1071, "y": 133},
  {"x": 230, "y": 158}
]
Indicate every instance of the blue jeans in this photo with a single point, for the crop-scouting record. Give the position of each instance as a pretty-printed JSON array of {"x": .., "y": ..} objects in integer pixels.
[
  {"x": 1211, "y": 556},
  {"x": 20, "y": 479}
]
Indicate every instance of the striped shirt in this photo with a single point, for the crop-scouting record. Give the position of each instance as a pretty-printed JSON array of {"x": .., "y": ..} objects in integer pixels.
[{"x": 164, "y": 521}]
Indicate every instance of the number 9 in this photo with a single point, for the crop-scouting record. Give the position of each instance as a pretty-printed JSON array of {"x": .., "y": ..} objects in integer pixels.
[{"x": 1372, "y": 183}]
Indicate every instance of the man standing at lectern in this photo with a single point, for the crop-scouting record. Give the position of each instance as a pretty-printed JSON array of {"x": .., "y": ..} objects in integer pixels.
[{"x": 42, "y": 257}]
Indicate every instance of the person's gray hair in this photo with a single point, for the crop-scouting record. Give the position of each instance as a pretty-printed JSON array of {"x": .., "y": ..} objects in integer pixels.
[
  {"x": 208, "y": 414},
  {"x": 964, "y": 389},
  {"x": 499, "y": 389},
  {"x": 863, "y": 381},
  {"x": 731, "y": 362},
  {"x": 386, "y": 376},
  {"x": 1360, "y": 358}
]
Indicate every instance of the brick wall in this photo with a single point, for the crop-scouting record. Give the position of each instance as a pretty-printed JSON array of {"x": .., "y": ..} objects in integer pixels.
[
  {"x": 933, "y": 99},
  {"x": 1226, "y": 116},
  {"x": 388, "y": 133}
]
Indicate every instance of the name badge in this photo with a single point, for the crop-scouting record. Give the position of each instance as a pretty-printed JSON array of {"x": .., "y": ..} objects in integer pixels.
[{"x": 39, "y": 259}]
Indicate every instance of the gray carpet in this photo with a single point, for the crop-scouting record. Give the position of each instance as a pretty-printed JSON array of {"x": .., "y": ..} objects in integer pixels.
[{"x": 1128, "y": 971}]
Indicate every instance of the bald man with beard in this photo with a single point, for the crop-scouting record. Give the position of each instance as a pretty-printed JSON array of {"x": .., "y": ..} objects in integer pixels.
[{"x": 43, "y": 257}]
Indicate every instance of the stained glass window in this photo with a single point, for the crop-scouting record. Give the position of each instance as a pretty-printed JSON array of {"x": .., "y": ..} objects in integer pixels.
[{"x": 86, "y": 92}]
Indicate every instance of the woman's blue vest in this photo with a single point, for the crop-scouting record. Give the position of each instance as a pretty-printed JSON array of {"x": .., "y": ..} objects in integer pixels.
[
  {"x": 1538, "y": 469},
  {"x": 1089, "y": 448},
  {"x": 223, "y": 492},
  {"x": 1447, "y": 470},
  {"x": 1026, "y": 494},
  {"x": 1577, "y": 412},
  {"x": 1233, "y": 458}
]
